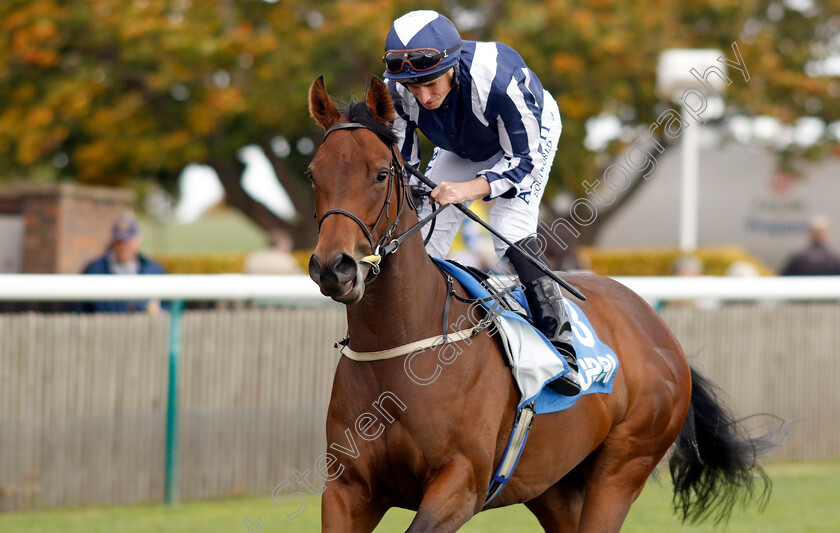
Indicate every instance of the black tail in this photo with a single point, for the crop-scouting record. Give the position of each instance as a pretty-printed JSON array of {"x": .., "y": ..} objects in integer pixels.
[{"x": 714, "y": 463}]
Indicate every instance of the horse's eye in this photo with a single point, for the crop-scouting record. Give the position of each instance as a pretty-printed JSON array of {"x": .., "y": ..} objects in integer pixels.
[
  {"x": 308, "y": 175},
  {"x": 382, "y": 176}
]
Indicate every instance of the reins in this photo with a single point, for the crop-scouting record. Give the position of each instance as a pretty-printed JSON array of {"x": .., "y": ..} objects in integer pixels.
[{"x": 386, "y": 247}]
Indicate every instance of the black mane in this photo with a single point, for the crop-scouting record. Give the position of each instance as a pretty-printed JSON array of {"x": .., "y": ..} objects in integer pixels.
[{"x": 360, "y": 112}]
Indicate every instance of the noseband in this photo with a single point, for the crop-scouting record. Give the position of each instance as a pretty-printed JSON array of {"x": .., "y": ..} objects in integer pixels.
[{"x": 381, "y": 248}]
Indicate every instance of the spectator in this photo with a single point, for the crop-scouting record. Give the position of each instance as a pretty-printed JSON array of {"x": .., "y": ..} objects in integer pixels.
[
  {"x": 741, "y": 269},
  {"x": 123, "y": 257},
  {"x": 817, "y": 259},
  {"x": 690, "y": 266},
  {"x": 687, "y": 265},
  {"x": 277, "y": 259}
]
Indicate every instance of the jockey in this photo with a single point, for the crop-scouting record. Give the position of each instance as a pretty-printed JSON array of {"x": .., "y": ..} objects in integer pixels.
[{"x": 495, "y": 131}]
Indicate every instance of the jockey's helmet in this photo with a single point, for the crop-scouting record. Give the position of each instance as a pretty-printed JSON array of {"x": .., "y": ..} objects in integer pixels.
[{"x": 421, "y": 46}]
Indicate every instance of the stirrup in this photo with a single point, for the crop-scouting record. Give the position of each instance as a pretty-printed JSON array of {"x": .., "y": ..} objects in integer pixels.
[
  {"x": 568, "y": 384},
  {"x": 567, "y": 351}
]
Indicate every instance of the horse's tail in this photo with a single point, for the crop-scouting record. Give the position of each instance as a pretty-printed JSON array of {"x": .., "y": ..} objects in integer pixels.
[{"x": 714, "y": 462}]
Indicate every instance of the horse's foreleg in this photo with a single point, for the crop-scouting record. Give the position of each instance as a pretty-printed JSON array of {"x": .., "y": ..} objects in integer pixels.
[
  {"x": 344, "y": 508},
  {"x": 449, "y": 500}
]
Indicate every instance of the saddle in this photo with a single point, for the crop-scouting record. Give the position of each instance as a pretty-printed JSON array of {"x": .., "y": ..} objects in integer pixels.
[
  {"x": 533, "y": 360},
  {"x": 510, "y": 299}
]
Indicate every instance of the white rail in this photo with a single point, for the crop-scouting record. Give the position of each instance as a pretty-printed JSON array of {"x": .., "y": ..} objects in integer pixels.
[
  {"x": 73, "y": 287},
  {"x": 76, "y": 287},
  {"x": 734, "y": 288}
]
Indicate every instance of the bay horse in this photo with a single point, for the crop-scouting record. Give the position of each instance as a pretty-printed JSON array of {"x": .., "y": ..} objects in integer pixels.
[{"x": 434, "y": 448}]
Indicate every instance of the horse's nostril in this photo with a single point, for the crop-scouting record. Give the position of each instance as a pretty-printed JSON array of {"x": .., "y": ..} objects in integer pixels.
[
  {"x": 345, "y": 267},
  {"x": 315, "y": 267}
]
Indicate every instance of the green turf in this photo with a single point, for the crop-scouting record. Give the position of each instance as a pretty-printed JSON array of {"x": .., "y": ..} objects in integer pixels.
[
  {"x": 806, "y": 498},
  {"x": 218, "y": 231}
]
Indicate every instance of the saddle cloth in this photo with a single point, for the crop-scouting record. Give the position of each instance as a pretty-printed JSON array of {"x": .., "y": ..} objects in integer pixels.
[{"x": 534, "y": 360}]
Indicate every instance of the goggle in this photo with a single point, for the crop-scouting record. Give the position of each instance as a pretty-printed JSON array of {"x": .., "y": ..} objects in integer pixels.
[{"x": 420, "y": 59}]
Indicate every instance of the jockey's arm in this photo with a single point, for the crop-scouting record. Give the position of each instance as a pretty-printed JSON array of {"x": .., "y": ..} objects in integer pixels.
[{"x": 448, "y": 192}]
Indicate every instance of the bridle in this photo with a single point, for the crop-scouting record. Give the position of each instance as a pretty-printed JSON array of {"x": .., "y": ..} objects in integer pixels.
[{"x": 385, "y": 246}]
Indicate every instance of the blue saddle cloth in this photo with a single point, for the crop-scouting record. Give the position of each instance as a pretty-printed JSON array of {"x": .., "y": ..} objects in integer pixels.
[{"x": 597, "y": 362}]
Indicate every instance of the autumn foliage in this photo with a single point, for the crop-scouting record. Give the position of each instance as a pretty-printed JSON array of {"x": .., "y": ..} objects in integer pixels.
[{"x": 115, "y": 91}]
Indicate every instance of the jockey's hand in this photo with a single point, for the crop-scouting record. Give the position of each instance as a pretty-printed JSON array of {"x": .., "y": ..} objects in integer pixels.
[{"x": 448, "y": 192}]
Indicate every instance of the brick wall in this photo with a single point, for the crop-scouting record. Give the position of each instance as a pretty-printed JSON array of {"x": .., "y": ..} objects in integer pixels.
[{"x": 65, "y": 225}]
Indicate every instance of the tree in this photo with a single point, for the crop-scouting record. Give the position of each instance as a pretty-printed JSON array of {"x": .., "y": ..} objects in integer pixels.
[
  {"x": 599, "y": 58},
  {"x": 114, "y": 91}
]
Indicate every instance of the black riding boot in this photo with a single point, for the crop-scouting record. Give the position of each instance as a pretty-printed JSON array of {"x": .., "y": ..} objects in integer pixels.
[
  {"x": 547, "y": 311},
  {"x": 550, "y": 317}
]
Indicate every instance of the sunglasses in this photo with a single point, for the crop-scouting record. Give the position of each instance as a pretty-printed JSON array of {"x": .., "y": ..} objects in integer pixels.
[{"x": 420, "y": 59}]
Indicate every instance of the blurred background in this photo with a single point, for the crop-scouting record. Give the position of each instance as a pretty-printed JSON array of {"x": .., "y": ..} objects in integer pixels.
[
  {"x": 199, "y": 110},
  {"x": 192, "y": 115}
]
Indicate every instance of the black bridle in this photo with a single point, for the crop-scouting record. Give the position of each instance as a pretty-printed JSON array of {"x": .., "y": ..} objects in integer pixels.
[{"x": 385, "y": 246}]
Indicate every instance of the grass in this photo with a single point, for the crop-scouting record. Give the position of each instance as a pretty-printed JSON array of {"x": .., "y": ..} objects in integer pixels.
[
  {"x": 806, "y": 499},
  {"x": 217, "y": 231}
]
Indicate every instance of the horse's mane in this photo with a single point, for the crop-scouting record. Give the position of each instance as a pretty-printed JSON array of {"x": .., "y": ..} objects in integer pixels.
[{"x": 360, "y": 112}]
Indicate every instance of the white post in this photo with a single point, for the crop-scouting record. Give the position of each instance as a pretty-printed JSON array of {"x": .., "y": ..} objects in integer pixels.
[
  {"x": 688, "y": 185},
  {"x": 701, "y": 71}
]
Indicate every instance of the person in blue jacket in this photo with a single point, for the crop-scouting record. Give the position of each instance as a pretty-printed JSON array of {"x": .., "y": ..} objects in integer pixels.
[
  {"x": 123, "y": 257},
  {"x": 495, "y": 131}
]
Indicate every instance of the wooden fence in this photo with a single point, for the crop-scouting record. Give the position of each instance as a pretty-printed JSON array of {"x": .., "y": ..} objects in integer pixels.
[
  {"x": 778, "y": 359},
  {"x": 83, "y": 398},
  {"x": 82, "y": 404}
]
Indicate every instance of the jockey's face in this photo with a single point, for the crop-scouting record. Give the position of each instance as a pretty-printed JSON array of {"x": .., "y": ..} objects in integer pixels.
[{"x": 432, "y": 93}]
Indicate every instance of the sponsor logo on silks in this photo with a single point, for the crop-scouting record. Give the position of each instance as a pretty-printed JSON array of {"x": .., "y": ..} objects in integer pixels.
[{"x": 524, "y": 196}]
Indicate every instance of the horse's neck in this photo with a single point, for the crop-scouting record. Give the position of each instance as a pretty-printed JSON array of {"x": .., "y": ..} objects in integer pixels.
[{"x": 404, "y": 304}]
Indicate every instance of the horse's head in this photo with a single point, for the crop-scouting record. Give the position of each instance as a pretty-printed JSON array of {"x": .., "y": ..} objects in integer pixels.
[{"x": 354, "y": 178}]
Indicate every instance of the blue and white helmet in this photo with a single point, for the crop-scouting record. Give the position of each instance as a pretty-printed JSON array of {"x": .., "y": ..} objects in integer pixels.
[{"x": 421, "y": 46}]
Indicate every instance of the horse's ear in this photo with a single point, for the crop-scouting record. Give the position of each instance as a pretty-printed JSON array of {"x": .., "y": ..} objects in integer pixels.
[
  {"x": 321, "y": 106},
  {"x": 378, "y": 99}
]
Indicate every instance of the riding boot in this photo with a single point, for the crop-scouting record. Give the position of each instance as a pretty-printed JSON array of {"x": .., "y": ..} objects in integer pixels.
[
  {"x": 547, "y": 309},
  {"x": 549, "y": 315}
]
